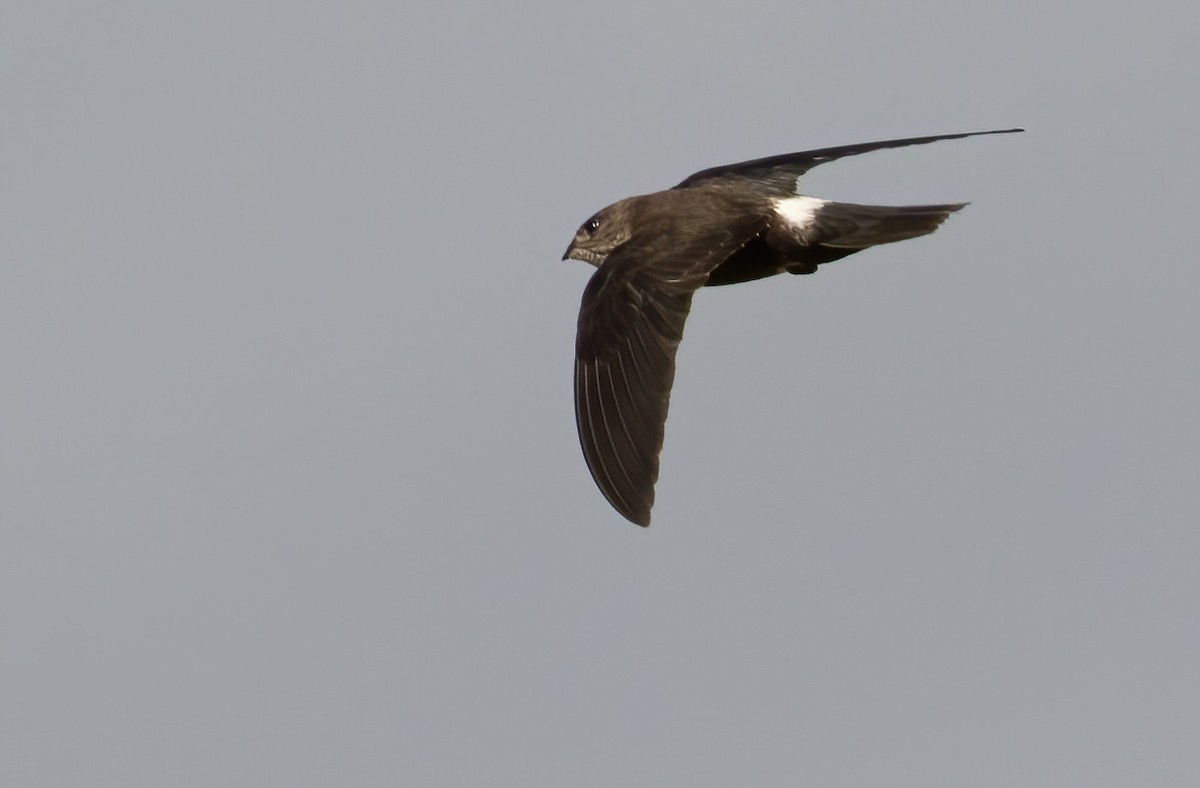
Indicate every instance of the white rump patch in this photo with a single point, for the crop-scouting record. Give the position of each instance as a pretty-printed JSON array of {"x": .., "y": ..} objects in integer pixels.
[{"x": 800, "y": 212}]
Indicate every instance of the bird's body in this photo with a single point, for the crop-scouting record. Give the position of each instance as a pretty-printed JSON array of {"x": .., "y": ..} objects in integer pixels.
[{"x": 724, "y": 225}]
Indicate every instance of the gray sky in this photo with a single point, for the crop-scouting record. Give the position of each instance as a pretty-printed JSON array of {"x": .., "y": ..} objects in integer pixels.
[{"x": 289, "y": 482}]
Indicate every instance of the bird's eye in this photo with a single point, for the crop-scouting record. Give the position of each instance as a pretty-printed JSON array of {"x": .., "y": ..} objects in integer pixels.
[{"x": 590, "y": 226}]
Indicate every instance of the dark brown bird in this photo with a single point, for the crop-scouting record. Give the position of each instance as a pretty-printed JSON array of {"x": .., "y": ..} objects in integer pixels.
[{"x": 727, "y": 224}]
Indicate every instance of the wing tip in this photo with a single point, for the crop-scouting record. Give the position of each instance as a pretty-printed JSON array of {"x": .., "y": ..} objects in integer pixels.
[
  {"x": 639, "y": 518},
  {"x": 638, "y": 514}
]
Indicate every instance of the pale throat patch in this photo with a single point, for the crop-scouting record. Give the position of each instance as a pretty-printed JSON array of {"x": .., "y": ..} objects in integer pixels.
[{"x": 799, "y": 211}]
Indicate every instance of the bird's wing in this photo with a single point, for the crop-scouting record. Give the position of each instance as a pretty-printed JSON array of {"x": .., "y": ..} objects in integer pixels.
[
  {"x": 630, "y": 324},
  {"x": 782, "y": 171}
]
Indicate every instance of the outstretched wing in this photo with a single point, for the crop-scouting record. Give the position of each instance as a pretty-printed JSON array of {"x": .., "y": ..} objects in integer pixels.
[
  {"x": 630, "y": 325},
  {"x": 782, "y": 171}
]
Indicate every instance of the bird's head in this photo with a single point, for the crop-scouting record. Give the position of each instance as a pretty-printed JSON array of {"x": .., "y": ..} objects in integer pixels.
[{"x": 602, "y": 233}]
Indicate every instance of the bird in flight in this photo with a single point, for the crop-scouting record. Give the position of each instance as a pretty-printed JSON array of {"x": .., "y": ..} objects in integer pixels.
[{"x": 727, "y": 224}]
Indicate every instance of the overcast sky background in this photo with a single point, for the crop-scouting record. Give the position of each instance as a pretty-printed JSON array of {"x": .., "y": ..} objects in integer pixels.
[{"x": 289, "y": 481}]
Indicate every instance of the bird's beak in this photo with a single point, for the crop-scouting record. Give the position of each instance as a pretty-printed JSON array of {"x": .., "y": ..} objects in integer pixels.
[{"x": 567, "y": 254}]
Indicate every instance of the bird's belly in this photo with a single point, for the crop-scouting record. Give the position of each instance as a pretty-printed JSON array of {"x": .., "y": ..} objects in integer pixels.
[{"x": 755, "y": 260}]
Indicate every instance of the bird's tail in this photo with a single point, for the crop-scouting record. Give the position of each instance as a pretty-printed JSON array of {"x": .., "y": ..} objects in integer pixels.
[
  {"x": 850, "y": 226},
  {"x": 820, "y": 231}
]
